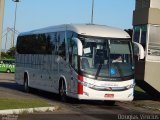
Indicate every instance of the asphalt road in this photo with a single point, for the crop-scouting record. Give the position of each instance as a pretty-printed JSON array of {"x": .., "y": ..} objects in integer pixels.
[{"x": 76, "y": 110}]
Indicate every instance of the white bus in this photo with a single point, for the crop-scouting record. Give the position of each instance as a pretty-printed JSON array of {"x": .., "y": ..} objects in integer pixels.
[{"x": 83, "y": 61}]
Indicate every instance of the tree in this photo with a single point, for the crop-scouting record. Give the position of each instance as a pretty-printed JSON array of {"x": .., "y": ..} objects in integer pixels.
[
  {"x": 11, "y": 52},
  {"x": 4, "y": 55}
]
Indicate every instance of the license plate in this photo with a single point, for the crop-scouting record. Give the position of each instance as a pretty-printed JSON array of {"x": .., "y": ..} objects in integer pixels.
[{"x": 109, "y": 95}]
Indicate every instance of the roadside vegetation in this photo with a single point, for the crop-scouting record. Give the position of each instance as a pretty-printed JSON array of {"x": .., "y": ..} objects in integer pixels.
[
  {"x": 10, "y": 54},
  {"x": 10, "y": 103},
  {"x": 138, "y": 89}
]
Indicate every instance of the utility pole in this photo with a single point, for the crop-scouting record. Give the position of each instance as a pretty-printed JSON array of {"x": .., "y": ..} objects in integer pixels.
[
  {"x": 1, "y": 23},
  {"x": 92, "y": 12},
  {"x": 15, "y": 17}
]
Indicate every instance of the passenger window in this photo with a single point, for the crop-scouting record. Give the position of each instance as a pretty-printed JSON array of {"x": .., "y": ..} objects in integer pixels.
[
  {"x": 75, "y": 57},
  {"x": 61, "y": 45}
]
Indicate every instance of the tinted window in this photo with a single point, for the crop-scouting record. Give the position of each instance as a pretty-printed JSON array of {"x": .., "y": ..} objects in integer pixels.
[
  {"x": 47, "y": 43},
  {"x": 61, "y": 44},
  {"x": 52, "y": 38},
  {"x": 34, "y": 44}
]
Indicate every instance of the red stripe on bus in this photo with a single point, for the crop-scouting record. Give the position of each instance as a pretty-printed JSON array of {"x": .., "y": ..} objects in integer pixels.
[{"x": 80, "y": 86}]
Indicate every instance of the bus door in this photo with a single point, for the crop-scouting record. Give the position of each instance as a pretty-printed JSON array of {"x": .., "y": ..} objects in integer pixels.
[{"x": 73, "y": 60}]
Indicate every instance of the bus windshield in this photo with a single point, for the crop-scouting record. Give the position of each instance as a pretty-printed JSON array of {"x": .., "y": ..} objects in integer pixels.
[{"x": 106, "y": 57}]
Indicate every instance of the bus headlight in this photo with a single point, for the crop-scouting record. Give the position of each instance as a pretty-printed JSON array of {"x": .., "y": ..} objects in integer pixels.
[{"x": 130, "y": 86}]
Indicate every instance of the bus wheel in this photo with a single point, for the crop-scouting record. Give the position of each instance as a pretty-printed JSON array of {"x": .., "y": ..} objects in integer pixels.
[
  {"x": 110, "y": 103},
  {"x": 8, "y": 71},
  {"x": 62, "y": 91},
  {"x": 26, "y": 87}
]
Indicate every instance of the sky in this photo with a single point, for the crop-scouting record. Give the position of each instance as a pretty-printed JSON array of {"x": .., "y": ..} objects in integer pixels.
[{"x": 34, "y": 14}]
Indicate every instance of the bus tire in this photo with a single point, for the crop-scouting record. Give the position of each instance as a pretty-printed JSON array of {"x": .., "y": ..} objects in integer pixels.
[
  {"x": 62, "y": 91},
  {"x": 26, "y": 87}
]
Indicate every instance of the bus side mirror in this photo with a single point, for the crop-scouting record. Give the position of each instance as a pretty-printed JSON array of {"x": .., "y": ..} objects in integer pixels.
[
  {"x": 138, "y": 50},
  {"x": 79, "y": 46}
]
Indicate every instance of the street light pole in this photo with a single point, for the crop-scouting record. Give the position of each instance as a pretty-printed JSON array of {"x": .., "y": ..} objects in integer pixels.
[
  {"x": 15, "y": 17},
  {"x": 1, "y": 23},
  {"x": 92, "y": 12},
  {"x": 6, "y": 41}
]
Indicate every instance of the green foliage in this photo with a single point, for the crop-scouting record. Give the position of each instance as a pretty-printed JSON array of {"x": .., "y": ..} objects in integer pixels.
[
  {"x": 4, "y": 55},
  {"x": 10, "y": 54},
  {"x": 138, "y": 89}
]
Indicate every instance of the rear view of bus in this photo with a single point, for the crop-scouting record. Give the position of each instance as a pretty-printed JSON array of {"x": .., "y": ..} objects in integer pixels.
[{"x": 106, "y": 70}]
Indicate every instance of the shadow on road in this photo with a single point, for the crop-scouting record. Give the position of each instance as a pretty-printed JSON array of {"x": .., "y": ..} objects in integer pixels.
[
  {"x": 11, "y": 85},
  {"x": 71, "y": 101},
  {"x": 142, "y": 96}
]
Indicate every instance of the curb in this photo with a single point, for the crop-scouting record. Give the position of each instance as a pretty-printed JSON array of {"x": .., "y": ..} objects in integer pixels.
[{"x": 27, "y": 110}]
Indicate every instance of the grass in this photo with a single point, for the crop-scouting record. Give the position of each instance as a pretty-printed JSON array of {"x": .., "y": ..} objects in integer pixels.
[
  {"x": 7, "y": 103},
  {"x": 138, "y": 89}
]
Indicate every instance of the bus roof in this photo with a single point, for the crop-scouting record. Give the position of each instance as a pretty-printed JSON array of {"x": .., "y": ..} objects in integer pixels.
[{"x": 84, "y": 29}]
